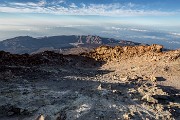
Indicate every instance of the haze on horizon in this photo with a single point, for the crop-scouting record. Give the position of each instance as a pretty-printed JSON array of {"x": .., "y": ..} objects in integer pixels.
[{"x": 136, "y": 20}]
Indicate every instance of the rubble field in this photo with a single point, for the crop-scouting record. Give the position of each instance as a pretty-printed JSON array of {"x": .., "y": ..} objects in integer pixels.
[{"x": 108, "y": 83}]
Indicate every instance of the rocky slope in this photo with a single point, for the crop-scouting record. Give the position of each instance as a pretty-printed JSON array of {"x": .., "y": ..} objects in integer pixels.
[
  {"x": 108, "y": 83},
  {"x": 141, "y": 60},
  {"x": 107, "y": 53}
]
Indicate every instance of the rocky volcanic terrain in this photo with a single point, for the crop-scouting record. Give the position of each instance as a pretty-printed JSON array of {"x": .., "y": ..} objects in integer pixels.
[{"x": 108, "y": 83}]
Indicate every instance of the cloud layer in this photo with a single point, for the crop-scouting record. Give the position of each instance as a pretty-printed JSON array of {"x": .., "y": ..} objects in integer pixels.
[{"x": 62, "y": 8}]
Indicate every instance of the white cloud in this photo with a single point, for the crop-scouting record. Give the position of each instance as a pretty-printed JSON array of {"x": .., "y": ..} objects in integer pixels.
[
  {"x": 154, "y": 37},
  {"x": 138, "y": 30},
  {"x": 118, "y": 28},
  {"x": 131, "y": 29},
  {"x": 73, "y": 5},
  {"x": 56, "y": 7},
  {"x": 25, "y": 29},
  {"x": 131, "y": 4},
  {"x": 83, "y": 5},
  {"x": 174, "y": 42},
  {"x": 56, "y": 2},
  {"x": 176, "y": 34},
  {"x": 41, "y": 3}
]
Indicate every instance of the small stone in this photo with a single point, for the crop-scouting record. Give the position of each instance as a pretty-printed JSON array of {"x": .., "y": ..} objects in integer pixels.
[
  {"x": 41, "y": 117},
  {"x": 166, "y": 68},
  {"x": 127, "y": 116},
  {"x": 99, "y": 87},
  {"x": 153, "y": 79},
  {"x": 115, "y": 77},
  {"x": 149, "y": 99},
  {"x": 124, "y": 78},
  {"x": 145, "y": 77},
  {"x": 135, "y": 77},
  {"x": 141, "y": 91},
  {"x": 132, "y": 90},
  {"x": 10, "y": 113},
  {"x": 61, "y": 116},
  {"x": 159, "y": 107},
  {"x": 109, "y": 87},
  {"x": 114, "y": 91}
]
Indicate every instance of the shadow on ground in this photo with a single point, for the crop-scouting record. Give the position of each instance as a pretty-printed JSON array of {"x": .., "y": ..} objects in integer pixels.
[{"x": 71, "y": 87}]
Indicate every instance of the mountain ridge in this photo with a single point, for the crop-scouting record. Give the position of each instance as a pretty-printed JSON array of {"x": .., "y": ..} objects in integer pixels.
[{"x": 28, "y": 44}]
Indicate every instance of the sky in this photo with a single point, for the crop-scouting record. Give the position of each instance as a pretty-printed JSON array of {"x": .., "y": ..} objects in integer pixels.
[{"x": 102, "y": 17}]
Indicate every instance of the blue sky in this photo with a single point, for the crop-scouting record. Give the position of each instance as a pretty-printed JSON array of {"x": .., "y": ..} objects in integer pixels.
[
  {"x": 157, "y": 12},
  {"x": 111, "y": 8},
  {"x": 51, "y": 17}
]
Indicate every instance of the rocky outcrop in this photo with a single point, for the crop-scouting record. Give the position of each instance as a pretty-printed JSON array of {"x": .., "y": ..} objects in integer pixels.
[
  {"x": 107, "y": 53},
  {"x": 30, "y": 60},
  {"x": 12, "y": 65}
]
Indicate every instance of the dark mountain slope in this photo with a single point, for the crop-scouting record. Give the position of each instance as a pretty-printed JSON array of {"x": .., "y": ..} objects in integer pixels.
[{"x": 27, "y": 44}]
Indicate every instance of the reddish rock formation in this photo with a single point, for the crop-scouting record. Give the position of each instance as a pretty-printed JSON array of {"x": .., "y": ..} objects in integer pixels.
[{"x": 107, "y": 53}]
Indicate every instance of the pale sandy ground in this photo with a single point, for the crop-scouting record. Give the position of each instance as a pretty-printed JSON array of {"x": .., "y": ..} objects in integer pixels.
[{"x": 167, "y": 72}]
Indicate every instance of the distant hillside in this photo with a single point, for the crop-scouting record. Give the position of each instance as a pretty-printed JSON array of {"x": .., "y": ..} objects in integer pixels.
[{"x": 27, "y": 44}]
